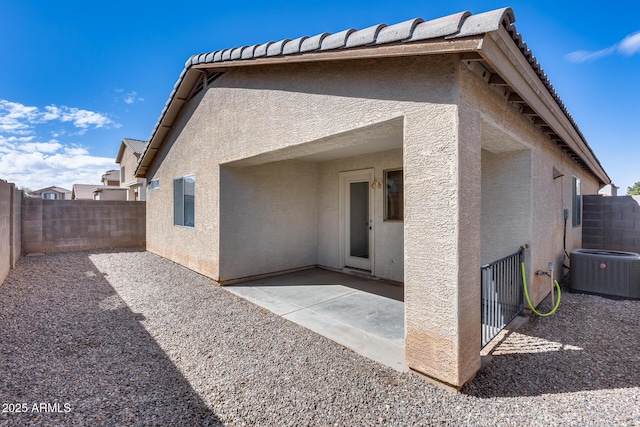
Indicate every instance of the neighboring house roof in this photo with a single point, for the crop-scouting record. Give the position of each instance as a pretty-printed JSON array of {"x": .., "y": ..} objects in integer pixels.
[
  {"x": 111, "y": 175},
  {"x": 461, "y": 33},
  {"x": 85, "y": 191},
  {"x": 135, "y": 145},
  {"x": 52, "y": 188}
]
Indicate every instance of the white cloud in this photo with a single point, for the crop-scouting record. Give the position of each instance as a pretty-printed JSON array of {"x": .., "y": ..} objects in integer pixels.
[
  {"x": 84, "y": 119},
  {"x": 132, "y": 98},
  {"x": 630, "y": 45},
  {"x": 28, "y": 160},
  {"x": 19, "y": 119},
  {"x": 16, "y": 118},
  {"x": 51, "y": 163},
  {"x": 43, "y": 147}
]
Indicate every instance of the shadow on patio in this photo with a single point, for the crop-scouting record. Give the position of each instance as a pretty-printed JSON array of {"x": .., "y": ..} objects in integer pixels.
[{"x": 68, "y": 338}]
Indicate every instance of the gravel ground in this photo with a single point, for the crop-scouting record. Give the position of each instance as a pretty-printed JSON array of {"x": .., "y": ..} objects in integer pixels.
[{"x": 128, "y": 338}]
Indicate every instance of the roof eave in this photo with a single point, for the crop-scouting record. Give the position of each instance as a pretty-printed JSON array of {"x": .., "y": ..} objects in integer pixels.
[
  {"x": 191, "y": 73},
  {"x": 120, "y": 153},
  {"x": 426, "y": 47},
  {"x": 502, "y": 54}
]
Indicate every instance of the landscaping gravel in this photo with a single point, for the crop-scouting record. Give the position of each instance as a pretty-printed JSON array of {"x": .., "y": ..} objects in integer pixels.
[{"x": 128, "y": 338}]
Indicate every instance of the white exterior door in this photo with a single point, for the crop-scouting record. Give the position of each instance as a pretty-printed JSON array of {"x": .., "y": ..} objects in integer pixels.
[{"x": 357, "y": 218}]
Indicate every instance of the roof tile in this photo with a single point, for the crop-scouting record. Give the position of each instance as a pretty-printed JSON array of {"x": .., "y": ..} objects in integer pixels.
[
  {"x": 293, "y": 46},
  {"x": 312, "y": 43},
  {"x": 247, "y": 52},
  {"x": 275, "y": 49},
  {"x": 364, "y": 37},
  {"x": 261, "y": 50},
  {"x": 337, "y": 40},
  {"x": 440, "y": 27},
  {"x": 397, "y": 32},
  {"x": 485, "y": 22},
  {"x": 237, "y": 53}
]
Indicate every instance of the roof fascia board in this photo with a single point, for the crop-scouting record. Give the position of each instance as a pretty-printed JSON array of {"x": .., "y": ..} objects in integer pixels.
[
  {"x": 120, "y": 153},
  {"x": 501, "y": 53},
  {"x": 469, "y": 44}
]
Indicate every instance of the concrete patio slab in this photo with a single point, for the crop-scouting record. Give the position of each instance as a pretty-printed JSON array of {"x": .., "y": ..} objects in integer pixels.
[{"x": 363, "y": 314}]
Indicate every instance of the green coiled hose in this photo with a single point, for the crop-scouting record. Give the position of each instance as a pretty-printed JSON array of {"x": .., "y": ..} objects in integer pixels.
[{"x": 526, "y": 294}]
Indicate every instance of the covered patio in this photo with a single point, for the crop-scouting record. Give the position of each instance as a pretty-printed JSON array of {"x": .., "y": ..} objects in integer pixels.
[{"x": 361, "y": 313}]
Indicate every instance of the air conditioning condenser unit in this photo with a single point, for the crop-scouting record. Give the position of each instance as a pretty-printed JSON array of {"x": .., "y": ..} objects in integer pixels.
[{"x": 608, "y": 273}]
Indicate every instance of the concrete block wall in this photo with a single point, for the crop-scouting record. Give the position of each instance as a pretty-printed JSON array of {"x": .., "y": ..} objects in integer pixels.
[
  {"x": 32, "y": 224},
  {"x": 611, "y": 223},
  {"x": 70, "y": 225}
]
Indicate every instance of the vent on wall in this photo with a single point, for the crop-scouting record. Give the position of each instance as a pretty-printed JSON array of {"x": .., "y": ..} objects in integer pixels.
[{"x": 608, "y": 273}]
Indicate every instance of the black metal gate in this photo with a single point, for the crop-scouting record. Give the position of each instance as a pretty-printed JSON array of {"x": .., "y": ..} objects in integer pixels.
[{"x": 501, "y": 294}]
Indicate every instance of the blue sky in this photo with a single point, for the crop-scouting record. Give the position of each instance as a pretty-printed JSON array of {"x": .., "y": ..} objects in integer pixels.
[{"x": 77, "y": 77}]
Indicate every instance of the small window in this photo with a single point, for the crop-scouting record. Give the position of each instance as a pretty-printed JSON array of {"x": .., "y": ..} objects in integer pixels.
[
  {"x": 576, "y": 203},
  {"x": 394, "y": 195},
  {"x": 154, "y": 184},
  {"x": 184, "y": 201},
  {"x": 122, "y": 177},
  {"x": 49, "y": 196}
]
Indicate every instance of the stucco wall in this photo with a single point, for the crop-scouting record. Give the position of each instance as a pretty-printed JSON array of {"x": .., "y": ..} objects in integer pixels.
[
  {"x": 259, "y": 115},
  {"x": 268, "y": 218},
  {"x": 388, "y": 235},
  {"x": 69, "y": 225},
  {"x": 10, "y": 227},
  {"x": 549, "y": 196},
  {"x": 506, "y": 203},
  {"x": 5, "y": 229},
  {"x": 16, "y": 226},
  {"x": 271, "y": 109},
  {"x": 129, "y": 161},
  {"x": 111, "y": 195}
]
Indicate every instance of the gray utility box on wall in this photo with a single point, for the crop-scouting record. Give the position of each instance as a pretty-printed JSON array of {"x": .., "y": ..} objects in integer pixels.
[{"x": 610, "y": 273}]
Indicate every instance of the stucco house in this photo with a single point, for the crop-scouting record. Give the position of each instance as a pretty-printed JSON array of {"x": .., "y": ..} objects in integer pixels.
[
  {"x": 98, "y": 192},
  {"x": 127, "y": 158},
  {"x": 415, "y": 152},
  {"x": 111, "y": 178},
  {"x": 52, "y": 193}
]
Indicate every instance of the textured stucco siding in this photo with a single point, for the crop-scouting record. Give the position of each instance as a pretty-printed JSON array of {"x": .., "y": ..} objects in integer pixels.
[
  {"x": 129, "y": 161},
  {"x": 543, "y": 223},
  {"x": 5, "y": 229},
  {"x": 16, "y": 226},
  {"x": 256, "y": 110},
  {"x": 268, "y": 218},
  {"x": 112, "y": 195},
  {"x": 10, "y": 227},
  {"x": 506, "y": 203},
  {"x": 387, "y": 235}
]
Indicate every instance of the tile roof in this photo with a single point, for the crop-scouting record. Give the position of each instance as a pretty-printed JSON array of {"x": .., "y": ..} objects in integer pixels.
[
  {"x": 85, "y": 191},
  {"x": 135, "y": 145},
  {"x": 456, "y": 26},
  {"x": 52, "y": 188}
]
